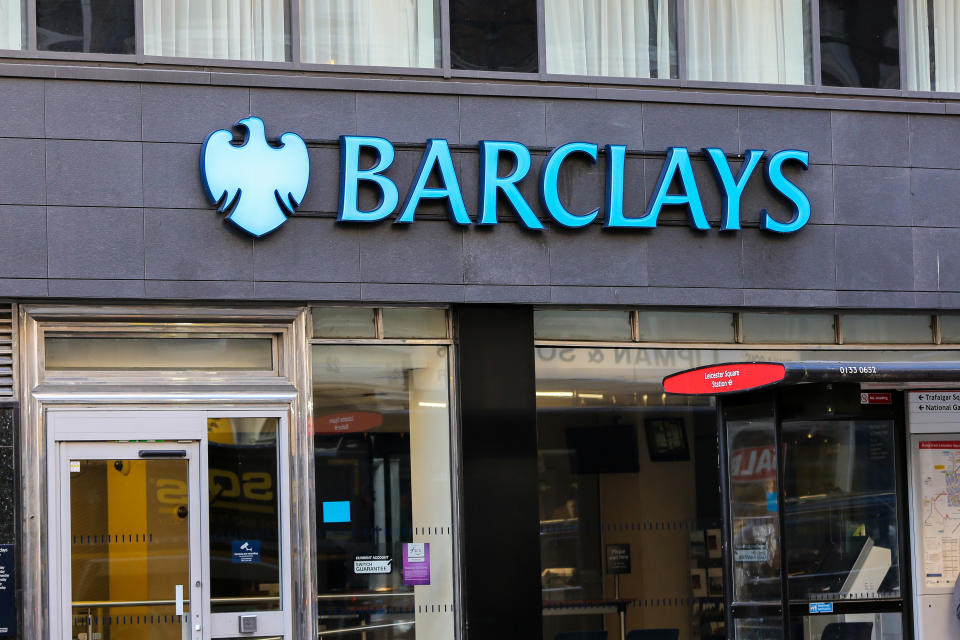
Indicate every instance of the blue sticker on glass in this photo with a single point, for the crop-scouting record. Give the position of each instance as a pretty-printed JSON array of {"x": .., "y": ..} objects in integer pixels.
[
  {"x": 246, "y": 551},
  {"x": 259, "y": 184},
  {"x": 336, "y": 512},
  {"x": 772, "y": 501},
  {"x": 821, "y": 607}
]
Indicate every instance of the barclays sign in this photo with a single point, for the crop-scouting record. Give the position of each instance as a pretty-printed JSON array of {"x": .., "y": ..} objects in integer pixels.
[{"x": 259, "y": 185}]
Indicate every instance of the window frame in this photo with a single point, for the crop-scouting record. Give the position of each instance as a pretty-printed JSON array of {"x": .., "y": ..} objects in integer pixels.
[{"x": 445, "y": 70}]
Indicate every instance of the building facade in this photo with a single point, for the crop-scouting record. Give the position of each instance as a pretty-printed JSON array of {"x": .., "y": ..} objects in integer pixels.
[{"x": 426, "y": 401}]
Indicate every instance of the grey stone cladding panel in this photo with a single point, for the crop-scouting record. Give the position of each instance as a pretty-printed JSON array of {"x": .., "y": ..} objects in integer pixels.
[
  {"x": 408, "y": 118},
  {"x": 506, "y": 254},
  {"x": 21, "y": 103},
  {"x": 308, "y": 250},
  {"x": 171, "y": 176},
  {"x": 601, "y": 123},
  {"x": 873, "y": 195},
  {"x": 177, "y": 113},
  {"x": 515, "y": 120},
  {"x": 874, "y": 258},
  {"x": 22, "y": 171},
  {"x": 778, "y": 129},
  {"x": 428, "y": 252},
  {"x": 877, "y": 139},
  {"x": 691, "y": 126},
  {"x": 681, "y": 257},
  {"x": 935, "y": 141},
  {"x": 23, "y": 244},
  {"x": 935, "y": 197},
  {"x": 802, "y": 260},
  {"x": 599, "y": 257},
  {"x": 92, "y": 110},
  {"x": 937, "y": 259},
  {"x": 94, "y": 173},
  {"x": 95, "y": 242},
  {"x": 195, "y": 245},
  {"x": 313, "y": 115}
]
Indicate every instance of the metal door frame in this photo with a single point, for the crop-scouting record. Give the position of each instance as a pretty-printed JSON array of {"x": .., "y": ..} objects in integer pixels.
[{"x": 104, "y": 450}]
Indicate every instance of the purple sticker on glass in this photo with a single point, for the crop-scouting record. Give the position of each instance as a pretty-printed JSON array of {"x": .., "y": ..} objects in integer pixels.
[{"x": 416, "y": 563}]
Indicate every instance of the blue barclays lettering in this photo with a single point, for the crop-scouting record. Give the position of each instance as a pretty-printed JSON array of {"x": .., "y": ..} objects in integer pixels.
[{"x": 677, "y": 169}]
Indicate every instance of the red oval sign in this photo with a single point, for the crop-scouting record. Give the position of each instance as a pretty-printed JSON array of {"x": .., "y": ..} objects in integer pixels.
[
  {"x": 348, "y": 422},
  {"x": 724, "y": 378}
]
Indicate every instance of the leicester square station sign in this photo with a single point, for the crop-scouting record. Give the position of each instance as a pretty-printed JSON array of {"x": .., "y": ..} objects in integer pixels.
[{"x": 258, "y": 184}]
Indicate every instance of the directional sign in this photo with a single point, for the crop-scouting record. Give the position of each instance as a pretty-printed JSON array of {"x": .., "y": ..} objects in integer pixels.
[{"x": 724, "y": 378}]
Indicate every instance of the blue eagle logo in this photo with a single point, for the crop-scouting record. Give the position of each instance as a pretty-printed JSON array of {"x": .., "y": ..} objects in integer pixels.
[{"x": 259, "y": 184}]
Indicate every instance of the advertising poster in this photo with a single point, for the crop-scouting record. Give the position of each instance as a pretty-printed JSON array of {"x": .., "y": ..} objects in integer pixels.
[{"x": 416, "y": 563}]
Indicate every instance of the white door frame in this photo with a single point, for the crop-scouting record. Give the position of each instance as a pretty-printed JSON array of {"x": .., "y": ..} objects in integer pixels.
[{"x": 108, "y": 427}]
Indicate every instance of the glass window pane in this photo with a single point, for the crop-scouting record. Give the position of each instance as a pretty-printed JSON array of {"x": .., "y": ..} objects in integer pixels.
[
  {"x": 494, "y": 35},
  {"x": 773, "y": 328},
  {"x": 414, "y": 323},
  {"x": 682, "y": 326},
  {"x": 949, "y": 328},
  {"x": 610, "y": 435},
  {"x": 344, "y": 322},
  {"x": 749, "y": 41},
  {"x": 244, "y": 514},
  {"x": 376, "y": 409},
  {"x": 630, "y": 38},
  {"x": 560, "y": 324},
  {"x": 859, "y": 43},
  {"x": 153, "y": 354},
  {"x": 100, "y": 26},
  {"x": 130, "y": 533},
  {"x": 753, "y": 510},
  {"x": 888, "y": 626},
  {"x": 249, "y": 30},
  {"x": 378, "y": 34},
  {"x": 759, "y": 629},
  {"x": 13, "y": 19},
  {"x": 886, "y": 329},
  {"x": 932, "y": 45}
]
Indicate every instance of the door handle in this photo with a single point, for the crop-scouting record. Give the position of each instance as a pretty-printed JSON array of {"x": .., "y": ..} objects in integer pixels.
[
  {"x": 163, "y": 453},
  {"x": 178, "y": 596}
]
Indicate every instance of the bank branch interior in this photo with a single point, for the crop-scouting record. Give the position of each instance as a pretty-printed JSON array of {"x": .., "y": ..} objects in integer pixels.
[{"x": 306, "y": 460}]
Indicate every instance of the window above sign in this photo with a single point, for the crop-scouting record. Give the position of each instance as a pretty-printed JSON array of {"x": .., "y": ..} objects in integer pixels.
[{"x": 815, "y": 43}]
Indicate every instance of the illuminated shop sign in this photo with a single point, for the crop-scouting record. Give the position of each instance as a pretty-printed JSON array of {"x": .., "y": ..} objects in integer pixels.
[{"x": 258, "y": 185}]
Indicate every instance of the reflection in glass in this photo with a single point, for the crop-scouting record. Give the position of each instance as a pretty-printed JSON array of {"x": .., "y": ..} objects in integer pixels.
[
  {"x": 683, "y": 326},
  {"x": 371, "y": 33},
  {"x": 759, "y": 629},
  {"x": 156, "y": 354},
  {"x": 244, "y": 514},
  {"x": 13, "y": 19},
  {"x": 129, "y": 543},
  {"x": 841, "y": 509},
  {"x": 859, "y": 43},
  {"x": 93, "y": 26},
  {"x": 235, "y": 30},
  {"x": 344, "y": 322},
  {"x": 414, "y": 322},
  {"x": 886, "y": 329},
  {"x": 786, "y": 328},
  {"x": 563, "y": 324},
  {"x": 381, "y": 436},
  {"x": 949, "y": 328},
  {"x": 494, "y": 35},
  {"x": 619, "y": 463},
  {"x": 754, "y": 503},
  {"x": 749, "y": 41},
  {"x": 625, "y": 38},
  {"x": 888, "y": 626}
]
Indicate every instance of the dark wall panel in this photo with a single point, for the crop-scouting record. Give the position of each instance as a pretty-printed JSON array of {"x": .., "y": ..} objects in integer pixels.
[{"x": 501, "y": 530}]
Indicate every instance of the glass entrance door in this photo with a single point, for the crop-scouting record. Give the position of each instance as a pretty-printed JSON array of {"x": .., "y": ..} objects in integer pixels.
[
  {"x": 814, "y": 534},
  {"x": 130, "y": 527}
]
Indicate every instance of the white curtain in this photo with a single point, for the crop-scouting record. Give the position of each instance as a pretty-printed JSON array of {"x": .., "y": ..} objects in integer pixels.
[
  {"x": 11, "y": 24},
  {"x": 379, "y": 33},
  {"x": 945, "y": 48},
  {"x": 222, "y": 29},
  {"x": 609, "y": 37},
  {"x": 746, "y": 41}
]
